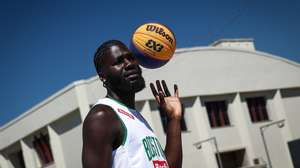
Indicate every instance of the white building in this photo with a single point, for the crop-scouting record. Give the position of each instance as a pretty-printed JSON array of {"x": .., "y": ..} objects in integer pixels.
[{"x": 229, "y": 90}]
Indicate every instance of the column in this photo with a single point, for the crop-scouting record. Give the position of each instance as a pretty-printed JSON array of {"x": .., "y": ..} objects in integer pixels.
[
  {"x": 56, "y": 148},
  {"x": 285, "y": 131},
  {"x": 281, "y": 114},
  {"x": 27, "y": 155},
  {"x": 82, "y": 98},
  {"x": 242, "y": 124},
  {"x": 3, "y": 162},
  {"x": 203, "y": 127}
]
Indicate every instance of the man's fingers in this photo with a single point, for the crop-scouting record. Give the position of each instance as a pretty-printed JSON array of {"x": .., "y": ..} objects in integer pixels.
[
  {"x": 161, "y": 98},
  {"x": 160, "y": 93},
  {"x": 154, "y": 92},
  {"x": 159, "y": 89},
  {"x": 167, "y": 92},
  {"x": 176, "y": 93}
]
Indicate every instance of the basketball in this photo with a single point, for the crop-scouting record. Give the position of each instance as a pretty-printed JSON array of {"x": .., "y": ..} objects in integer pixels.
[{"x": 153, "y": 45}]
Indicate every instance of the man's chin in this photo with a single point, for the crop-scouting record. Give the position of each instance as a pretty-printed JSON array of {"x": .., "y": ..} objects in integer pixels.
[
  {"x": 138, "y": 85},
  {"x": 130, "y": 86}
]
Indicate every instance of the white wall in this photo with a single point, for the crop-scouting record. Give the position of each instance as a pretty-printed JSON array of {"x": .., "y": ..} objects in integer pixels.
[
  {"x": 69, "y": 129},
  {"x": 274, "y": 136},
  {"x": 37, "y": 118},
  {"x": 291, "y": 101}
]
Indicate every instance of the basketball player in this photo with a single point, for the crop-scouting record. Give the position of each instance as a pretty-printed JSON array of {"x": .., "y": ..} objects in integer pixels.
[{"x": 114, "y": 133}]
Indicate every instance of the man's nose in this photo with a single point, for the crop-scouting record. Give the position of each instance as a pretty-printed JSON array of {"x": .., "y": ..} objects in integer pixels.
[{"x": 130, "y": 62}]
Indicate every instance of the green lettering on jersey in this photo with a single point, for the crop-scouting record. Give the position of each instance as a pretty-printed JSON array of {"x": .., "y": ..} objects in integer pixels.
[
  {"x": 146, "y": 147},
  {"x": 152, "y": 147},
  {"x": 155, "y": 146}
]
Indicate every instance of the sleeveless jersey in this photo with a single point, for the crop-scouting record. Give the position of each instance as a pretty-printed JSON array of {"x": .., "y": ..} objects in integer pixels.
[{"x": 140, "y": 147}]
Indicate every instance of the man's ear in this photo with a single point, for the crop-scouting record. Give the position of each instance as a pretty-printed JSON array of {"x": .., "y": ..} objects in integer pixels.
[{"x": 102, "y": 77}]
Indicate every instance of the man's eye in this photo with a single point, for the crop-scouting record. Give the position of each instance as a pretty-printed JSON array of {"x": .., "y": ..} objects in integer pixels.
[{"x": 119, "y": 61}]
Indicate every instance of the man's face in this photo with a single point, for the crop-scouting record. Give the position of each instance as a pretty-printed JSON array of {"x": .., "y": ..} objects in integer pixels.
[{"x": 121, "y": 70}]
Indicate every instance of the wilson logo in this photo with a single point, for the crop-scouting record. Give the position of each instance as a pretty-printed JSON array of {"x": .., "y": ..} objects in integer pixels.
[
  {"x": 126, "y": 113},
  {"x": 160, "y": 31}
]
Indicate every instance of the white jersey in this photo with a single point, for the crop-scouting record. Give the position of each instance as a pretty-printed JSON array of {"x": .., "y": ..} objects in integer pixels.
[{"x": 140, "y": 147}]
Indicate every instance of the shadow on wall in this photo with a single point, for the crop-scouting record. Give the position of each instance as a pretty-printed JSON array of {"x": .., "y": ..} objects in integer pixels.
[{"x": 67, "y": 122}]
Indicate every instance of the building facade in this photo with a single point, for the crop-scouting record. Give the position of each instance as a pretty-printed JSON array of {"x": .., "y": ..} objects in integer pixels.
[{"x": 229, "y": 92}]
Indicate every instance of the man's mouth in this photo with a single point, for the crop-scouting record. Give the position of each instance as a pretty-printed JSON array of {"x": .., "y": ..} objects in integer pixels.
[{"x": 132, "y": 75}]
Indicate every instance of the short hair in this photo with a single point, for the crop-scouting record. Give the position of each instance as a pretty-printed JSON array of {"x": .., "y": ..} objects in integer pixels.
[{"x": 102, "y": 50}]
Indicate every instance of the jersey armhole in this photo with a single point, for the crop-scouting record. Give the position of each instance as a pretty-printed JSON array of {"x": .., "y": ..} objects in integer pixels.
[{"x": 123, "y": 127}]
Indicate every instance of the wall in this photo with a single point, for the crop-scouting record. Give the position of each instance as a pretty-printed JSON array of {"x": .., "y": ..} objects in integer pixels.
[
  {"x": 291, "y": 101},
  {"x": 69, "y": 128}
]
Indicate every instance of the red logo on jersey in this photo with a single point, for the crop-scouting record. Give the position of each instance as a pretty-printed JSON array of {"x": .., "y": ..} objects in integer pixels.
[
  {"x": 160, "y": 164},
  {"x": 125, "y": 113}
]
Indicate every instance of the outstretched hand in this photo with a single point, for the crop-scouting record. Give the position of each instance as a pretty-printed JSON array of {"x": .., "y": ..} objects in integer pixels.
[{"x": 171, "y": 105}]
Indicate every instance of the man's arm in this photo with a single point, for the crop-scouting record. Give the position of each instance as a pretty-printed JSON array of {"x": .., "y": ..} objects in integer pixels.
[
  {"x": 173, "y": 149},
  {"x": 170, "y": 105},
  {"x": 101, "y": 135}
]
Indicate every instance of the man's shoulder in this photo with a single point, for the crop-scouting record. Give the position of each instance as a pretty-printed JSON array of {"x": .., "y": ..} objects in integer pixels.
[
  {"x": 100, "y": 110},
  {"x": 100, "y": 114},
  {"x": 101, "y": 126}
]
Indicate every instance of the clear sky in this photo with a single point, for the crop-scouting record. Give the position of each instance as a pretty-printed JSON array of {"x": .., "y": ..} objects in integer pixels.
[{"x": 47, "y": 44}]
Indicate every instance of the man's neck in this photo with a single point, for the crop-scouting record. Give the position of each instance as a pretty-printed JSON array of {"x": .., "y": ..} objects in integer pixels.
[{"x": 128, "y": 98}]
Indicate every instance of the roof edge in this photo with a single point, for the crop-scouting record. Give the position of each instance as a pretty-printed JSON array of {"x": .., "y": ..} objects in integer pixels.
[
  {"x": 46, "y": 101},
  {"x": 210, "y": 48},
  {"x": 231, "y": 40}
]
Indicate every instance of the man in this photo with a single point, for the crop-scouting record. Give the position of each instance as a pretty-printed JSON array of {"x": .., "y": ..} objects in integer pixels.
[{"x": 114, "y": 133}]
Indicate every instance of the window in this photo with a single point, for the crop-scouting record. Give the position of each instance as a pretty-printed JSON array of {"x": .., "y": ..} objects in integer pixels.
[
  {"x": 257, "y": 109},
  {"x": 164, "y": 120},
  {"x": 232, "y": 159},
  {"x": 42, "y": 146},
  {"x": 217, "y": 113}
]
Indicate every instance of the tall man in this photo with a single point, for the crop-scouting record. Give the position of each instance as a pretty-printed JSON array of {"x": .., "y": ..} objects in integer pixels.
[{"x": 114, "y": 133}]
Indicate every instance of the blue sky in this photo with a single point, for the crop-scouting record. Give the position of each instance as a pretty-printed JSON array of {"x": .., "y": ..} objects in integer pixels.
[{"x": 46, "y": 45}]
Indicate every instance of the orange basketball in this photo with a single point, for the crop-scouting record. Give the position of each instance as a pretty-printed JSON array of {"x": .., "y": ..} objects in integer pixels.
[{"x": 153, "y": 44}]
